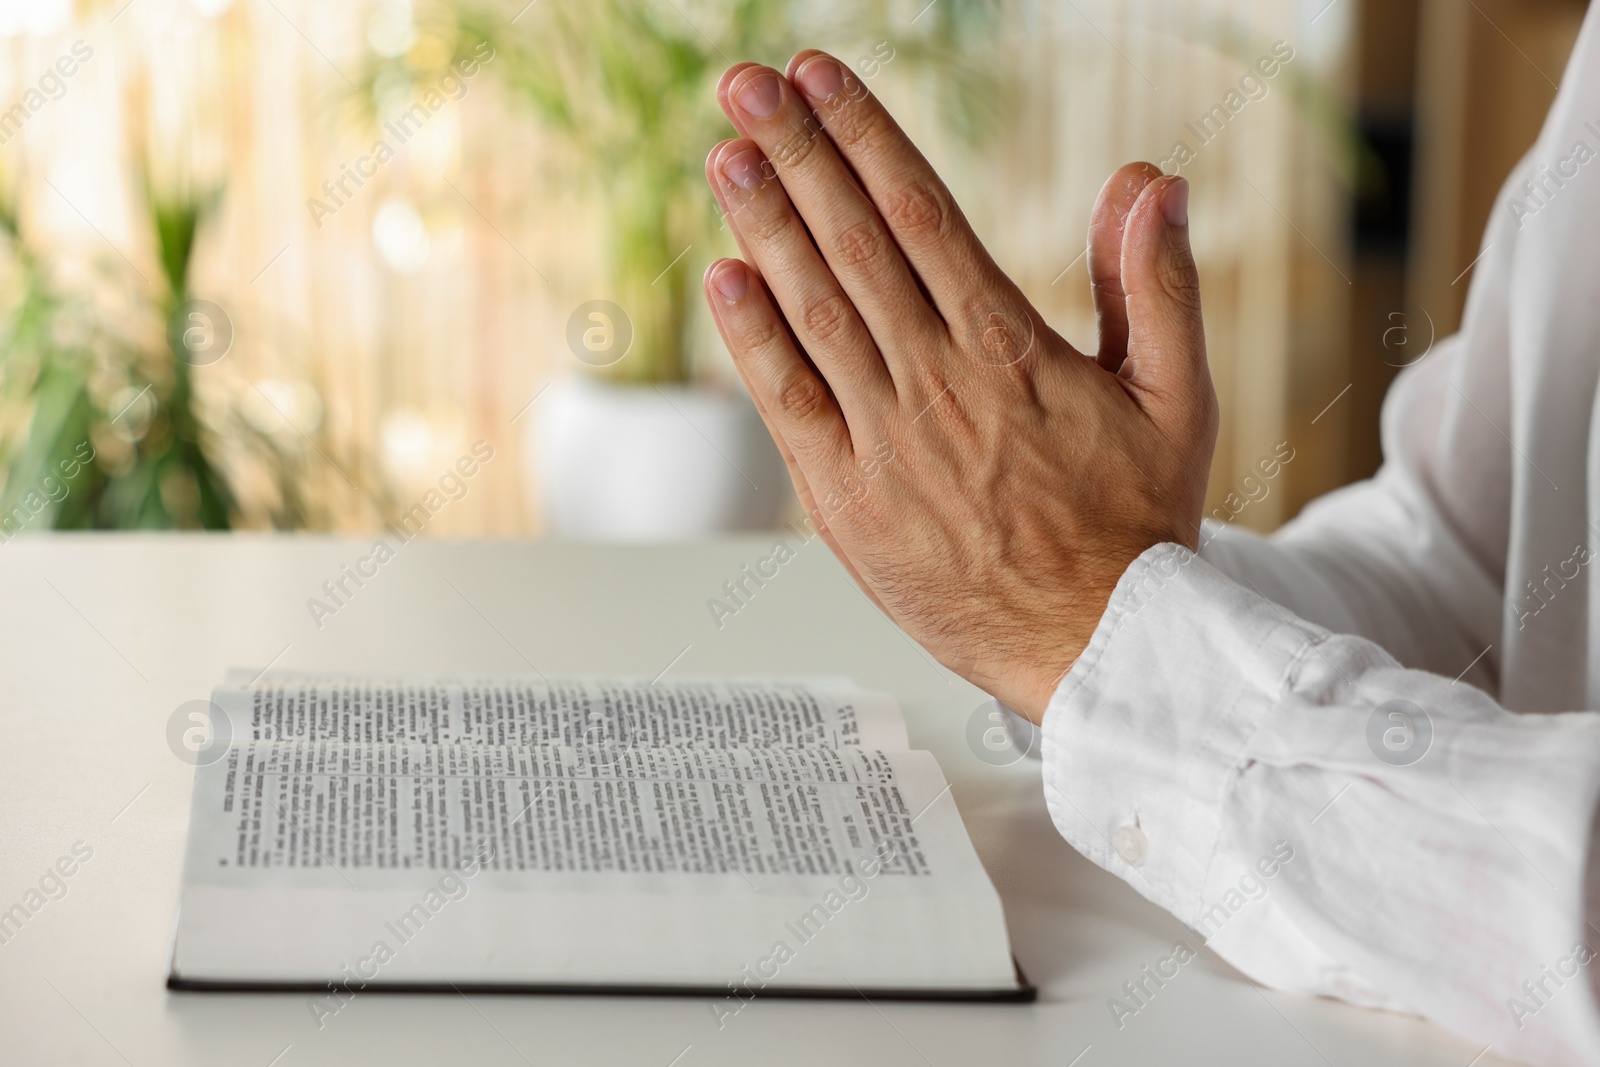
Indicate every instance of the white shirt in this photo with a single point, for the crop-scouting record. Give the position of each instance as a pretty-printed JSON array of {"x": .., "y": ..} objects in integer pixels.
[{"x": 1220, "y": 718}]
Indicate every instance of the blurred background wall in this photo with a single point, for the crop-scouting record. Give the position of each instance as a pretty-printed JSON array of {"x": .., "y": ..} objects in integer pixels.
[{"x": 435, "y": 265}]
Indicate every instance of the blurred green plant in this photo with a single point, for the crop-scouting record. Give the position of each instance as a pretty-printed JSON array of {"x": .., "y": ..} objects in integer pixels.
[
  {"x": 112, "y": 436},
  {"x": 626, "y": 89},
  {"x": 102, "y": 427}
]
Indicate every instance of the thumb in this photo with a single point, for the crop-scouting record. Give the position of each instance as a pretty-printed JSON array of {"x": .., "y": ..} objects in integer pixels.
[
  {"x": 1106, "y": 227},
  {"x": 1166, "y": 361}
]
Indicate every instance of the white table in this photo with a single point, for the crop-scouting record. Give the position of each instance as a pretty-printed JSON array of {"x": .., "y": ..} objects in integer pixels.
[{"x": 102, "y": 637}]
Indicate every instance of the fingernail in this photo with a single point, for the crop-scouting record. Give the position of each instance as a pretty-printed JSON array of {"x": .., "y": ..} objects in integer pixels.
[
  {"x": 819, "y": 78},
  {"x": 1175, "y": 203},
  {"x": 731, "y": 281},
  {"x": 744, "y": 170},
  {"x": 759, "y": 95}
]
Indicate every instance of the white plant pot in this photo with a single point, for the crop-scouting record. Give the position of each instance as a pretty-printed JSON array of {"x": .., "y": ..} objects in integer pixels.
[{"x": 651, "y": 463}]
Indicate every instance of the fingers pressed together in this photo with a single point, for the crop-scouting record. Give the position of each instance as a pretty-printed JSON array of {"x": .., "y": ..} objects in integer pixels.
[
  {"x": 867, "y": 257},
  {"x": 865, "y": 273}
]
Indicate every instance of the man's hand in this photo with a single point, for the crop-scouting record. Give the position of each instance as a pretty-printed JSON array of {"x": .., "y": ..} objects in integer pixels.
[{"x": 985, "y": 482}]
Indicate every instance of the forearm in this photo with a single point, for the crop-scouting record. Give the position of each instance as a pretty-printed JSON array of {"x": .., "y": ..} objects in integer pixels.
[
  {"x": 1361, "y": 562},
  {"x": 1206, "y": 733}
]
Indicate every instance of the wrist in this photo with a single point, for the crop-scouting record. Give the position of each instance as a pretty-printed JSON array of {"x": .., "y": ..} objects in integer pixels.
[
  {"x": 1027, "y": 689},
  {"x": 1030, "y": 683}
]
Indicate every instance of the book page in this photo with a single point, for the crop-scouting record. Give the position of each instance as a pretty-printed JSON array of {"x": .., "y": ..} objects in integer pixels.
[
  {"x": 560, "y": 865},
  {"x": 357, "y": 807},
  {"x": 588, "y": 712}
]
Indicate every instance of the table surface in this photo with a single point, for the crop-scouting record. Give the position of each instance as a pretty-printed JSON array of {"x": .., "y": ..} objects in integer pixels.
[{"x": 103, "y": 637}]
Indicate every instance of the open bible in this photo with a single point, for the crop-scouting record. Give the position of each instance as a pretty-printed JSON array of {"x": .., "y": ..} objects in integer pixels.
[{"x": 720, "y": 837}]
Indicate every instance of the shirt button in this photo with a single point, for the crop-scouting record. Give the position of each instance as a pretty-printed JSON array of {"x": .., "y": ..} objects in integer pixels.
[{"x": 1131, "y": 845}]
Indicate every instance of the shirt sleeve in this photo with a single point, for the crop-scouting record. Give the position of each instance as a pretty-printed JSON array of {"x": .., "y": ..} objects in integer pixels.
[{"x": 1328, "y": 820}]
